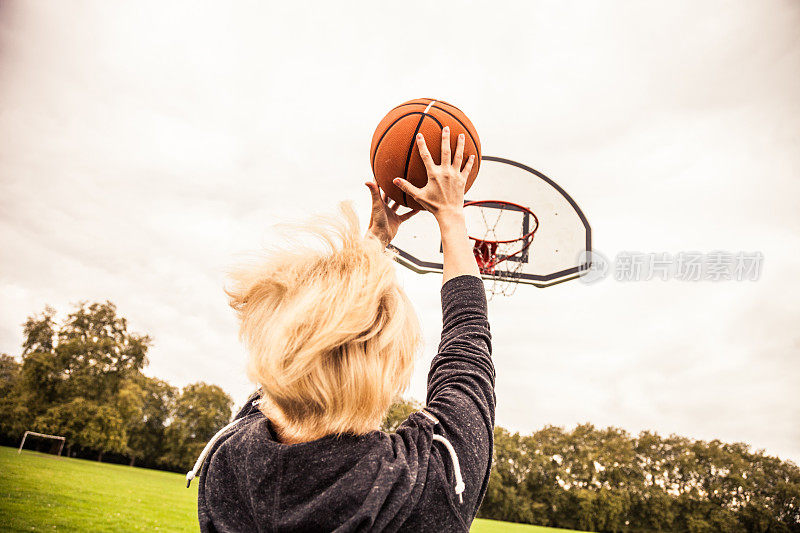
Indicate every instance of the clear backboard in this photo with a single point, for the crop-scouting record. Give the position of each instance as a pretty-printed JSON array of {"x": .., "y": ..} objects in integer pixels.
[{"x": 514, "y": 200}]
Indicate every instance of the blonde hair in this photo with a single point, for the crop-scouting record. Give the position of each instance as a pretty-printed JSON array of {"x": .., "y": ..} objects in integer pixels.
[{"x": 331, "y": 335}]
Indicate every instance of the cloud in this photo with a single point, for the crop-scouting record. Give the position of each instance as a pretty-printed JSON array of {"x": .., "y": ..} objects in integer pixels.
[{"x": 144, "y": 146}]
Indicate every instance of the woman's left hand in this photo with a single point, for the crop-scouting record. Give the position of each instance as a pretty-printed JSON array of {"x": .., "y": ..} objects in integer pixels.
[{"x": 384, "y": 219}]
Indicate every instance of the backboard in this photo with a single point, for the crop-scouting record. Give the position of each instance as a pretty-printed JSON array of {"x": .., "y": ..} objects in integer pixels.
[{"x": 560, "y": 246}]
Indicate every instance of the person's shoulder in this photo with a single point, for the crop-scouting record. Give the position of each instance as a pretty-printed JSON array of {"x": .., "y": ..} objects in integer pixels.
[
  {"x": 244, "y": 436},
  {"x": 419, "y": 424}
]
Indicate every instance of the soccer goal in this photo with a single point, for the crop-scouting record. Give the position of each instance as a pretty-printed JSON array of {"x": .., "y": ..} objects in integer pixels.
[{"x": 44, "y": 436}]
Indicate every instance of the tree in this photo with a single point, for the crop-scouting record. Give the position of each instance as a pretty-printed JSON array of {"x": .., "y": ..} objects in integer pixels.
[
  {"x": 90, "y": 356},
  {"x": 14, "y": 416},
  {"x": 9, "y": 372},
  {"x": 41, "y": 378},
  {"x": 85, "y": 424},
  {"x": 149, "y": 403},
  {"x": 39, "y": 332},
  {"x": 200, "y": 411},
  {"x": 508, "y": 496},
  {"x": 97, "y": 352}
]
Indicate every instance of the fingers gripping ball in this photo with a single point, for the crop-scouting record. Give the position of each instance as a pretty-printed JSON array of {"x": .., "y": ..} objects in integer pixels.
[{"x": 394, "y": 152}]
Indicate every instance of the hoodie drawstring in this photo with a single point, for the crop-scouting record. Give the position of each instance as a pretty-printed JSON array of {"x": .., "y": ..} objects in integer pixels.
[
  {"x": 459, "y": 488},
  {"x": 456, "y": 467},
  {"x": 201, "y": 459}
]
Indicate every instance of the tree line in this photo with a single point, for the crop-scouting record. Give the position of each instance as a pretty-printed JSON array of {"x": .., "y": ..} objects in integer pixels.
[
  {"x": 83, "y": 379},
  {"x": 608, "y": 480}
]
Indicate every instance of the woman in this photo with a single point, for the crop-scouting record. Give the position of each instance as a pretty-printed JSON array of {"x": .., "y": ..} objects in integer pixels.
[{"x": 332, "y": 339}]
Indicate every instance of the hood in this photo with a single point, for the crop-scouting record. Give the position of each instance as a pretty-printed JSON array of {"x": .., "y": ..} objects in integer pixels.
[{"x": 250, "y": 481}]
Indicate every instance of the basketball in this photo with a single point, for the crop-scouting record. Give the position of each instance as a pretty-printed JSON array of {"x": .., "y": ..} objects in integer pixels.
[{"x": 394, "y": 153}]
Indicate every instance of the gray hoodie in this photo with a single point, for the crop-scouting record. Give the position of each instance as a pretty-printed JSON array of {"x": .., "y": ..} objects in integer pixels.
[{"x": 430, "y": 475}]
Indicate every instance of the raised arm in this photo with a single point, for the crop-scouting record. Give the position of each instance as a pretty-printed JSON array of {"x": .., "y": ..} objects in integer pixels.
[{"x": 461, "y": 379}]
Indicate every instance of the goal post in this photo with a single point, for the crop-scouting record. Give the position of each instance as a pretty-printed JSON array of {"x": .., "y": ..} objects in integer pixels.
[{"x": 43, "y": 435}]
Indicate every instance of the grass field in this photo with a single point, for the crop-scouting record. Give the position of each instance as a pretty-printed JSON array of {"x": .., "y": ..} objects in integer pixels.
[
  {"x": 41, "y": 492},
  {"x": 495, "y": 526}
]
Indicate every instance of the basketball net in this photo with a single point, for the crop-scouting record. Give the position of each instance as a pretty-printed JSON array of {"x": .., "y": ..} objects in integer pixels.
[{"x": 500, "y": 257}]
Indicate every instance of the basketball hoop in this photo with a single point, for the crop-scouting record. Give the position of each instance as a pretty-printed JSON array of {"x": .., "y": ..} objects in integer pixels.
[
  {"x": 502, "y": 249},
  {"x": 563, "y": 243}
]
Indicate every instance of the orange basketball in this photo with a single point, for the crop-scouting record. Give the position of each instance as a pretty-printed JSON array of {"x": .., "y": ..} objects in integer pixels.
[{"x": 394, "y": 154}]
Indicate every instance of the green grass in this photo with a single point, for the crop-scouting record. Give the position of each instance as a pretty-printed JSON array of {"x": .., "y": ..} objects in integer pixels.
[
  {"x": 41, "y": 492},
  {"x": 495, "y": 526}
]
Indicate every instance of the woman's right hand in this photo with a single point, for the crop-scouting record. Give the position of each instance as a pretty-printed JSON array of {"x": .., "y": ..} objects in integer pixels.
[{"x": 444, "y": 193}]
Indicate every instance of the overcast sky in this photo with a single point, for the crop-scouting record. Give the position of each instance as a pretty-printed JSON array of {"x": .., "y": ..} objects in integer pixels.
[{"x": 145, "y": 145}]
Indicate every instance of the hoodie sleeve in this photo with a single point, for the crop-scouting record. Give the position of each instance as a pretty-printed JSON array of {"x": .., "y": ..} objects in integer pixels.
[{"x": 461, "y": 385}]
